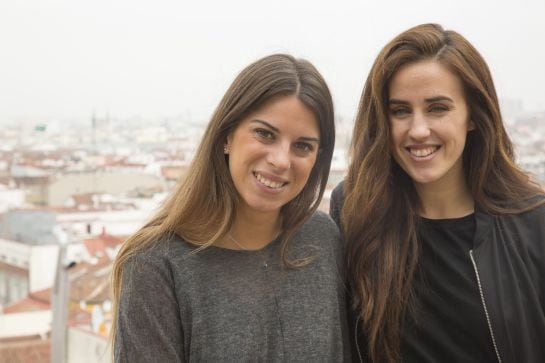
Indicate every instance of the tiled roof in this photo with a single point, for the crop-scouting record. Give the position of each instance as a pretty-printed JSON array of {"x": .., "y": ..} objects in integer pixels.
[
  {"x": 42, "y": 295},
  {"x": 29, "y": 350},
  {"x": 98, "y": 247},
  {"x": 90, "y": 283},
  {"x": 25, "y": 305}
]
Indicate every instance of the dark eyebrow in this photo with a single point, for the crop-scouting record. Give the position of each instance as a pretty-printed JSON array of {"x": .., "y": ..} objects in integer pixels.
[
  {"x": 303, "y": 138},
  {"x": 266, "y": 124},
  {"x": 439, "y": 98},
  {"x": 310, "y": 139},
  {"x": 395, "y": 101}
]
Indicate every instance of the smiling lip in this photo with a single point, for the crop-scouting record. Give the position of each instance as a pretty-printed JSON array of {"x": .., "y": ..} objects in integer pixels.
[
  {"x": 422, "y": 152},
  {"x": 269, "y": 181}
]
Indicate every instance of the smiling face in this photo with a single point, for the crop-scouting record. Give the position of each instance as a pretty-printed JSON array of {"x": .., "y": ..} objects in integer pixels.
[
  {"x": 271, "y": 154},
  {"x": 429, "y": 122}
]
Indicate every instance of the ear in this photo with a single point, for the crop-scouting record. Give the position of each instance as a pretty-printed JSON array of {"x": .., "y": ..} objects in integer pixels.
[
  {"x": 471, "y": 125},
  {"x": 227, "y": 145}
]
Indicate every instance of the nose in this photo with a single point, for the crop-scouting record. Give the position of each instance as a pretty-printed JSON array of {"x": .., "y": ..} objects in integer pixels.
[
  {"x": 419, "y": 128},
  {"x": 279, "y": 156}
]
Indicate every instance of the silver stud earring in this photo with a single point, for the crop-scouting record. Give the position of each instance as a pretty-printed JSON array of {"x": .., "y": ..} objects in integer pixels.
[{"x": 226, "y": 149}]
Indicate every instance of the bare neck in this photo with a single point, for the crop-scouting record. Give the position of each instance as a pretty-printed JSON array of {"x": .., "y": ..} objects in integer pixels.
[
  {"x": 254, "y": 230},
  {"x": 452, "y": 200}
]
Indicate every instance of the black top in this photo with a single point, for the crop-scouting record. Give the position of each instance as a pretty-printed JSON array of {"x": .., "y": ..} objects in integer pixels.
[
  {"x": 450, "y": 323},
  {"x": 509, "y": 254}
]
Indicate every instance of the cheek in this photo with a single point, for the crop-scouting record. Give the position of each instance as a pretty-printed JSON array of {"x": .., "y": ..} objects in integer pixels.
[
  {"x": 458, "y": 135},
  {"x": 396, "y": 140},
  {"x": 396, "y": 154},
  {"x": 396, "y": 134},
  {"x": 304, "y": 167}
]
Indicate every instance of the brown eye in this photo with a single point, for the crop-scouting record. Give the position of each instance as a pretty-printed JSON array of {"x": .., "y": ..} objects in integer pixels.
[
  {"x": 400, "y": 112},
  {"x": 303, "y": 146},
  {"x": 264, "y": 134},
  {"x": 438, "y": 109}
]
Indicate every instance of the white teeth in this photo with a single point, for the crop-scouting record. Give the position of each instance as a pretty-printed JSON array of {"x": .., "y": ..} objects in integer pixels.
[
  {"x": 423, "y": 152},
  {"x": 267, "y": 182}
]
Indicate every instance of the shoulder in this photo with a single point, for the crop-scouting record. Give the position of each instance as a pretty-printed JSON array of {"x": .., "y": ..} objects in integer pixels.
[
  {"x": 337, "y": 194},
  {"x": 522, "y": 236},
  {"x": 320, "y": 223},
  {"x": 529, "y": 213},
  {"x": 537, "y": 213},
  {"x": 336, "y": 203},
  {"x": 318, "y": 237},
  {"x": 532, "y": 217},
  {"x": 319, "y": 230},
  {"x": 159, "y": 257},
  {"x": 532, "y": 221},
  {"x": 164, "y": 247},
  {"x": 525, "y": 231}
]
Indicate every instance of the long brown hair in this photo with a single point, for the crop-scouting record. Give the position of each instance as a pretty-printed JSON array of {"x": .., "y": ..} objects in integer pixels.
[
  {"x": 381, "y": 207},
  {"x": 201, "y": 209}
]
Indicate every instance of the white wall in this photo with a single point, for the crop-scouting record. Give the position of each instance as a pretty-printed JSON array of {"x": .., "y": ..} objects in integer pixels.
[
  {"x": 11, "y": 198},
  {"x": 117, "y": 223},
  {"x": 25, "y": 324},
  {"x": 86, "y": 347},
  {"x": 15, "y": 253},
  {"x": 67, "y": 185},
  {"x": 43, "y": 266}
]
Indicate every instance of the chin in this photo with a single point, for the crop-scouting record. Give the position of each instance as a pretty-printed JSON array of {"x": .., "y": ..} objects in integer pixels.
[
  {"x": 264, "y": 207},
  {"x": 423, "y": 181},
  {"x": 422, "y": 178}
]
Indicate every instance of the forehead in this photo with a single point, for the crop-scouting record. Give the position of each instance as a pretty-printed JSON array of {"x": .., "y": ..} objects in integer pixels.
[
  {"x": 288, "y": 114},
  {"x": 426, "y": 78}
]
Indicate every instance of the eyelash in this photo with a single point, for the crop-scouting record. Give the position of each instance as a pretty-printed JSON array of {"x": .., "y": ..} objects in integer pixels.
[
  {"x": 398, "y": 112},
  {"x": 438, "y": 108},
  {"x": 269, "y": 136},
  {"x": 264, "y": 134},
  {"x": 402, "y": 111},
  {"x": 303, "y": 146}
]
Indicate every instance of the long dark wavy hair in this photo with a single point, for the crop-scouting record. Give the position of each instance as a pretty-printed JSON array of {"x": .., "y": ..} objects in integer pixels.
[{"x": 381, "y": 207}]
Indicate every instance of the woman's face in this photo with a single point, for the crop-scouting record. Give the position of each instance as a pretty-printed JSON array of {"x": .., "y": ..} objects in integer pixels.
[
  {"x": 429, "y": 121},
  {"x": 272, "y": 152}
]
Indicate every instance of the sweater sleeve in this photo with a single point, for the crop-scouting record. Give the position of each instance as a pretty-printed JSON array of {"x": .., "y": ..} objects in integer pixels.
[{"x": 149, "y": 327}]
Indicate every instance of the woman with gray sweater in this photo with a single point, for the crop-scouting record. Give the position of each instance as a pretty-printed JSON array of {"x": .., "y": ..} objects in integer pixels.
[{"x": 237, "y": 265}]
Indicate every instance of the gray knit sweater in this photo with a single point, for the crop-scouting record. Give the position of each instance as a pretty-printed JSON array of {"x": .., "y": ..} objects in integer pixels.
[{"x": 235, "y": 306}]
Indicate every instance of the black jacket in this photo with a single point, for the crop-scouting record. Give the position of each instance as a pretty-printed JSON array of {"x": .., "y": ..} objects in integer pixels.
[{"x": 508, "y": 257}]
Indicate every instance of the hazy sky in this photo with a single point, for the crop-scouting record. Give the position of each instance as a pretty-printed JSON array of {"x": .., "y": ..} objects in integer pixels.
[{"x": 65, "y": 59}]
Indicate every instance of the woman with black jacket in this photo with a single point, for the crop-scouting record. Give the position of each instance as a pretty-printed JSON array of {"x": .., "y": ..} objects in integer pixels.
[{"x": 445, "y": 233}]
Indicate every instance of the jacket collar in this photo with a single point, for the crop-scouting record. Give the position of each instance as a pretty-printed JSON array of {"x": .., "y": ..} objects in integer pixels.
[{"x": 484, "y": 223}]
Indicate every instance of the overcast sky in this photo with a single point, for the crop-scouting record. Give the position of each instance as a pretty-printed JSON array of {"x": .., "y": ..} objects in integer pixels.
[{"x": 65, "y": 59}]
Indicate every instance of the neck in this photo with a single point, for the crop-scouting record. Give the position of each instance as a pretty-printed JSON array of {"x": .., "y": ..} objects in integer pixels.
[
  {"x": 254, "y": 231},
  {"x": 452, "y": 200}
]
